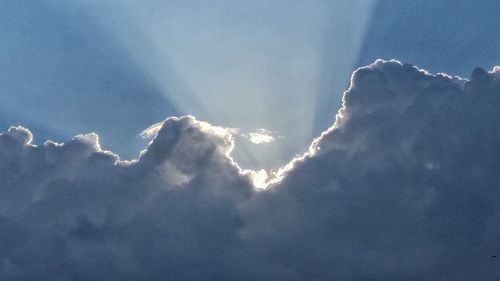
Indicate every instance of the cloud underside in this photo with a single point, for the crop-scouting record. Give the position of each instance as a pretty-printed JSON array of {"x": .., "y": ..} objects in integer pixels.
[{"x": 404, "y": 186}]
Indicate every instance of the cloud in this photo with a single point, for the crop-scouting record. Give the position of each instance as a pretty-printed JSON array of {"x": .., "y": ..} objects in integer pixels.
[
  {"x": 404, "y": 186},
  {"x": 260, "y": 136},
  {"x": 151, "y": 131}
]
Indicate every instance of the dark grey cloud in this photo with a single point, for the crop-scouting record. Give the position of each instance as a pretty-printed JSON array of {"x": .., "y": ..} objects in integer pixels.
[{"x": 404, "y": 186}]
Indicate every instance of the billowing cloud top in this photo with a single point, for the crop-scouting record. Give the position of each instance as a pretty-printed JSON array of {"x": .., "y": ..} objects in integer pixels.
[{"x": 404, "y": 186}]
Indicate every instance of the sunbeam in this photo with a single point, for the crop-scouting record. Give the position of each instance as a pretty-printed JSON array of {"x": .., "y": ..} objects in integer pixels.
[{"x": 245, "y": 65}]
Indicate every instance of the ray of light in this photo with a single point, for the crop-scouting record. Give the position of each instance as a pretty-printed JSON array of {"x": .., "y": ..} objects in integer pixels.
[{"x": 249, "y": 65}]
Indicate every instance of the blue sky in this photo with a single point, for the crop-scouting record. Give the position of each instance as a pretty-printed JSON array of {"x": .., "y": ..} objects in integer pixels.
[{"x": 116, "y": 68}]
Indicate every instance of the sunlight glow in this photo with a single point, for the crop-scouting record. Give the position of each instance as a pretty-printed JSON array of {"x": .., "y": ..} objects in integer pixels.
[{"x": 259, "y": 179}]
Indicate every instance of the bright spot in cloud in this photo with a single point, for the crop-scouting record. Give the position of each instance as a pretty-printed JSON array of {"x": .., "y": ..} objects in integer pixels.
[{"x": 260, "y": 178}]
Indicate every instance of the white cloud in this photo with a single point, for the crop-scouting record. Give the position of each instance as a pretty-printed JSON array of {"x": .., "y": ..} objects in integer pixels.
[
  {"x": 151, "y": 131},
  {"x": 404, "y": 187},
  {"x": 260, "y": 136}
]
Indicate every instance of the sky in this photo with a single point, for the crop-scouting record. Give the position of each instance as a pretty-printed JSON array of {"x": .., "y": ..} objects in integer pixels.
[
  {"x": 254, "y": 65},
  {"x": 249, "y": 140}
]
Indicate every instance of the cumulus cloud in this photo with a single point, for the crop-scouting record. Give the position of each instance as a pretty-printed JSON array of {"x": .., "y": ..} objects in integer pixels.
[{"x": 404, "y": 186}]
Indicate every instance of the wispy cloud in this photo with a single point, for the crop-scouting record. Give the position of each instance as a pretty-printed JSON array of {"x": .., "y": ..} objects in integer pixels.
[
  {"x": 260, "y": 136},
  {"x": 151, "y": 131}
]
